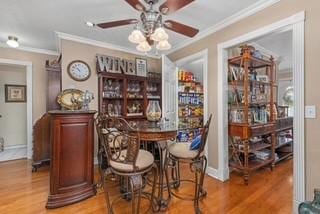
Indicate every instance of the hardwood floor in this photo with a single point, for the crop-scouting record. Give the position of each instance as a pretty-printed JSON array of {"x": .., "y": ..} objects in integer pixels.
[{"x": 268, "y": 192}]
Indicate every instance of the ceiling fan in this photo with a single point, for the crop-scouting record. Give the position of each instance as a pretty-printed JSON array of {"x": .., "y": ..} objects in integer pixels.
[{"x": 150, "y": 28}]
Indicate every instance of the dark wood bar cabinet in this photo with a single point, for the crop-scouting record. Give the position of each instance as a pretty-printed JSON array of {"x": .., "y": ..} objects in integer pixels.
[{"x": 71, "y": 167}]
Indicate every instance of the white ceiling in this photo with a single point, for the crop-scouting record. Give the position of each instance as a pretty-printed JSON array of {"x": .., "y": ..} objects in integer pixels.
[
  {"x": 35, "y": 21},
  {"x": 281, "y": 45}
]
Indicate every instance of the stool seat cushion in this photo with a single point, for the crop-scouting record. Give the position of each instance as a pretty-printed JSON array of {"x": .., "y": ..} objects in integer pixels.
[
  {"x": 182, "y": 150},
  {"x": 144, "y": 160}
]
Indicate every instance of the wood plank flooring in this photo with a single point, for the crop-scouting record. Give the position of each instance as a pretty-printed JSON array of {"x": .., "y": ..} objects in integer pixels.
[{"x": 23, "y": 192}]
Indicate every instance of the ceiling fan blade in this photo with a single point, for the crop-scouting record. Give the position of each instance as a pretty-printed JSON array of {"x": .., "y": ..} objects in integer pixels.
[
  {"x": 117, "y": 23},
  {"x": 180, "y": 28},
  {"x": 136, "y": 4},
  {"x": 171, "y": 6}
]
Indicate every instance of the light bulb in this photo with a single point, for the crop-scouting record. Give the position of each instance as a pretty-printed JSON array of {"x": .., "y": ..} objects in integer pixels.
[
  {"x": 159, "y": 35},
  {"x": 163, "y": 45},
  {"x": 90, "y": 24},
  {"x": 144, "y": 46},
  {"x": 136, "y": 37},
  {"x": 12, "y": 42}
]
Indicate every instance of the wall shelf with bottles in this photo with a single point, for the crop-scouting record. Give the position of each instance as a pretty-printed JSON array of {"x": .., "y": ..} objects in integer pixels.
[
  {"x": 121, "y": 95},
  {"x": 190, "y": 106},
  {"x": 154, "y": 86},
  {"x": 127, "y": 95}
]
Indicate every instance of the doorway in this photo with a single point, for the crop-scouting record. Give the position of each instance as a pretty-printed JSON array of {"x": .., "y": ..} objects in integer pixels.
[
  {"x": 22, "y": 70},
  {"x": 185, "y": 98},
  {"x": 13, "y": 112},
  {"x": 294, "y": 25}
]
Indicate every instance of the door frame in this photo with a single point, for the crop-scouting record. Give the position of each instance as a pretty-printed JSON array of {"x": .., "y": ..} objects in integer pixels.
[
  {"x": 28, "y": 66},
  {"x": 203, "y": 54},
  {"x": 295, "y": 24}
]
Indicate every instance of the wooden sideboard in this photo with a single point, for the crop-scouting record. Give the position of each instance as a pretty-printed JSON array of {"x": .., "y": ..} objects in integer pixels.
[{"x": 71, "y": 167}]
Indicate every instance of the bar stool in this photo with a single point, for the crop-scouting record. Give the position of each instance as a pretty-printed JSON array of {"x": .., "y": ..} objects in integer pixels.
[
  {"x": 181, "y": 153},
  {"x": 127, "y": 160}
]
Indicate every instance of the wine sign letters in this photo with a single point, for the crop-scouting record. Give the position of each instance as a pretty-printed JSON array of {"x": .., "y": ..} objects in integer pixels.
[{"x": 115, "y": 65}]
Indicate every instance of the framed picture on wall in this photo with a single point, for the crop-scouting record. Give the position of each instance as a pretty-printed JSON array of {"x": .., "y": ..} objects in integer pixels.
[
  {"x": 141, "y": 67},
  {"x": 15, "y": 93}
]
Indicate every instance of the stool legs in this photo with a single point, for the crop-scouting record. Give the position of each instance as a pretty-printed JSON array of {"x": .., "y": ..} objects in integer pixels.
[
  {"x": 134, "y": 186},
  {"x": 175, "y": 173},
  {"x": 198, "y": 167},
  {"x": 136, "y": 189},
  {"x": 106, "y": 193}
]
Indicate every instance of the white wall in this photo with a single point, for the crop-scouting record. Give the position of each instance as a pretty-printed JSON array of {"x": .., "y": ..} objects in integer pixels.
[{"x": 13, "y": 123}]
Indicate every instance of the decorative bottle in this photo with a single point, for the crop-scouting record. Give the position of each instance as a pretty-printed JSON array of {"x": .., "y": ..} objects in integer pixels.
[{"x": 153, "y": 111}]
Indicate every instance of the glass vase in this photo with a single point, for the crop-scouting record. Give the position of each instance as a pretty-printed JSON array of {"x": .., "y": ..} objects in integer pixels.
[
  {"x": 312, "y": 207},
  {"x": 153, "y": 111}
]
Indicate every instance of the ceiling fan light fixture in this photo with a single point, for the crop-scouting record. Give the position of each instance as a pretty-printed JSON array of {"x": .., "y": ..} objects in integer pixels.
[
  {"x": 159, "y": 35},
  {"x": 163, "y": 45},
  {"x": 90, "y": 24},
  {"x": 164, "y": 10},
  {"x": 12, "y": 42},
  {"x": 144, "y": 47},
  {"x": 136, "y": 37}
]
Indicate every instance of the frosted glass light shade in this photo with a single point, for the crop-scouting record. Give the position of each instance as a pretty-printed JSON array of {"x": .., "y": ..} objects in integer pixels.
[
  {"x": 144, "y": 47},
  {"x": 136, "y": 37},
  {"x": 163, "y": 45},
  {"x": 13, "y": 42},
  {"x": 159, "y": 35}
]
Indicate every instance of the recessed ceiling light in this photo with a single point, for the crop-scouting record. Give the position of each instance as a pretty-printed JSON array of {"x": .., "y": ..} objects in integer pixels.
[
  {"x": 12, "y": 42},
  {"x": 90, "y": 24}
]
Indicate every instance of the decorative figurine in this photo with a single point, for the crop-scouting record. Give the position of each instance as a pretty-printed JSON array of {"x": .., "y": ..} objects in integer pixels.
[{"x": 86, "y": 97}]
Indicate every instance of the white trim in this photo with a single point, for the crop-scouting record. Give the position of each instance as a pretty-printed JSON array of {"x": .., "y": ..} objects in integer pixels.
[
  {"x": 30, "y": 49},
  {"x": 298, "y": 115},
  {"x": 201, "y": 55},
  {"x": 70, "y": 37},
  {"x": 212, "y": 172},
  {"x": 295, "y": 206},
  {"x": 252, "y": 9},
  {"x": 295, "y": 24},
  {"x": 15, "y": 147},
  {"x": 28, "y": 65}
]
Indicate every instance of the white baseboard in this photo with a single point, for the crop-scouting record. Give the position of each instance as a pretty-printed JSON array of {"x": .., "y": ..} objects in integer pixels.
[
  {"x": 295, "y": 206},
  {"x": 212, "y": 172},
  {"x": 15, "y": 147}
]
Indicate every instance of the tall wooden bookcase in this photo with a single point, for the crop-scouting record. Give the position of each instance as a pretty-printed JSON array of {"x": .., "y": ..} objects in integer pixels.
[{"x": 252, "y": 112}]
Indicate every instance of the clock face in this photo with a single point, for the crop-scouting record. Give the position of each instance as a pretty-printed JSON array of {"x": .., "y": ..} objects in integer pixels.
[{"x": 79, "y": 70}]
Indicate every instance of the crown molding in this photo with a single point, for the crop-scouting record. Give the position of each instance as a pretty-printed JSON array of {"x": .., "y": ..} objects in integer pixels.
[
  {"x": 30, "y": 49},
  {"x": 252, "y": 9},
  {"x": 70, "y": 37}
]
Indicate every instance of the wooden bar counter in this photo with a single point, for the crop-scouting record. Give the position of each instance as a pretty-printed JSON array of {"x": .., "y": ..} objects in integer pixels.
[{"x": 71, "y": 170}]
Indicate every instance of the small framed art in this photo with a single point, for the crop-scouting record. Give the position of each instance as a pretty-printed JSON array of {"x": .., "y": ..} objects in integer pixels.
[
  {"x": 15, "y": 93},
  {"x": 141, "y": 67}
]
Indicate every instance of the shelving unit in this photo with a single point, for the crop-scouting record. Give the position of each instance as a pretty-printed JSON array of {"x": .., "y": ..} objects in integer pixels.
[
  {"x": 190, "y": 106},
  {"x": 127, "y": 95},
  {"x": 284, "y": 135},
  {"x": 252, "y": 112}
]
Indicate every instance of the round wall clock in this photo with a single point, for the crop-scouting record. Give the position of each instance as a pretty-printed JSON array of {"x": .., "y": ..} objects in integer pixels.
[{"x": 79, "y": 70}]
